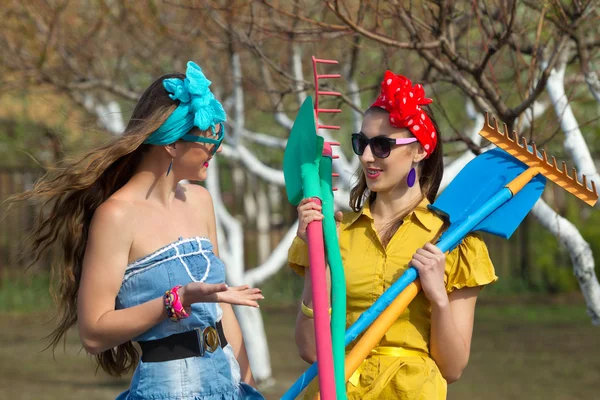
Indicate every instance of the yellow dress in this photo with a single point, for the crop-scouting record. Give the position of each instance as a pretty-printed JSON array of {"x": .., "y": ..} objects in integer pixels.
[{"x": 370, "y": 269}]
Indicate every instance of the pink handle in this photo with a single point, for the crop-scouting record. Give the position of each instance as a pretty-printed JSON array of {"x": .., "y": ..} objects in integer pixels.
[{"x": 316, "y": 254}]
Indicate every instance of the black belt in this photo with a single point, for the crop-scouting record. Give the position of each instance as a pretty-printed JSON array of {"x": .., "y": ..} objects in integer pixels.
[{"x": 183, "y": 345}]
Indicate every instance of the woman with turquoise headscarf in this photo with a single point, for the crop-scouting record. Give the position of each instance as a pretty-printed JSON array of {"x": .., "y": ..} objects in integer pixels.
[{"x": 139, "y": 260}]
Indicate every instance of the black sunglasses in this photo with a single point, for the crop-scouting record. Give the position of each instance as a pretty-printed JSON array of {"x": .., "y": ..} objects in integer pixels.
[{"x": 381, "y": 146}]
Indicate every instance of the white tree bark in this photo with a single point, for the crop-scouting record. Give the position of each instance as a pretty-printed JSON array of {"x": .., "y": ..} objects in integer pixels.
[
  {"x": 253, "y": 164},
  {"x": 453, "y": 168},
  {"x": 263, "y": 224},
  {"x": 111, "y": 117},
  {"x": 263, "y": 139},
  {"x": 231, "y": 237},
  {"x": 591, "y": 78},
  {"x": 276, "y": 260},
  {"x": 574, "y": 142},
  {"x": 109, "y": 114},
  {"x": 356, "y": 116},
  {"x": 250, "y": 203},
  {"x": 268, "y": 174},
  {"x": 238, "y": 178},
  {"x": 275, "y": 199},
  {"x": 238, "y": 96},
  {"x": 231, "y": 241},
  {"x": 580, "y": 252}
]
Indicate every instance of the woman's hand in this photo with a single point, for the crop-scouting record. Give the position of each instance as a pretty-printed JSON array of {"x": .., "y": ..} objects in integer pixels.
[
  {"x": 308, "y": 211},
  {"x": 240, "y": 295},
  {"x": 199, "y": 292},
  {"x": 431, "y": 264}
]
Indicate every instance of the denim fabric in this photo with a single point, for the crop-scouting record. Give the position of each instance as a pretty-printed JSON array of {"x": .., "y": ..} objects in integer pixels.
[{"x": 214, "y": 376}]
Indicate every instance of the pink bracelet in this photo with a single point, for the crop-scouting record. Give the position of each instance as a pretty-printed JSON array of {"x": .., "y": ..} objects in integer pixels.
[{"x": 173, "y": 305}]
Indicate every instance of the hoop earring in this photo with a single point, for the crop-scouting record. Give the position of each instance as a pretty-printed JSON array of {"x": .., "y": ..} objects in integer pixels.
[
  {"x": 411, "y": 178},
  {"x": 170, "y": 166}
]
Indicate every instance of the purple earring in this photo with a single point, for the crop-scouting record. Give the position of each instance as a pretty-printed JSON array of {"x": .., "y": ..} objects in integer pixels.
[
  {"x": 412, "y": 175},
  {"x": 170, "y": 166}
]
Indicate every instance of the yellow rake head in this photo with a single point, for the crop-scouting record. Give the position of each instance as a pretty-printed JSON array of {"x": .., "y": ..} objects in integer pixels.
[{"x": 518, "y": 148}]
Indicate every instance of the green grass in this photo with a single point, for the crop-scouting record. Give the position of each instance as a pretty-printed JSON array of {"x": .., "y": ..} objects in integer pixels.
[
  {"x": 534, "y": 309},
  {"x": 517, "y": 356},
  {"x": 536, "y": 314},
  {"x": 23, "y": 293},
  {"x": 523, "y": 348}
]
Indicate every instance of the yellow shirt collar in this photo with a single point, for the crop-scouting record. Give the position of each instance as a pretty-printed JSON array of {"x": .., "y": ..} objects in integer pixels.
[{"x": 427, "y": 218}]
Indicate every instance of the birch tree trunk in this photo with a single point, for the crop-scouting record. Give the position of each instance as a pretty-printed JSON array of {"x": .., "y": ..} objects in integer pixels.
[
  {"x": 580, "y": 253},
  {"x": 579, "y": 250},
  {"x": 574, "y": 142},
  {"x": 263, "y": 224},
  {"x": 231, "y": 244}
]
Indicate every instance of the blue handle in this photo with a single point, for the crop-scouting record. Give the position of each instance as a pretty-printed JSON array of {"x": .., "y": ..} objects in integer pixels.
[{"x": 470, "y": 223}]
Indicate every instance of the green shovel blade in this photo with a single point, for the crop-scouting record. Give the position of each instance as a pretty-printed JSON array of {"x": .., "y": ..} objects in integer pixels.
[{"x": 302, "y": 155}]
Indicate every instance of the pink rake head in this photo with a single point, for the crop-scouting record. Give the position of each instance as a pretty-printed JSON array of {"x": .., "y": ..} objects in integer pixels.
[{"x": 327, "y": 151}]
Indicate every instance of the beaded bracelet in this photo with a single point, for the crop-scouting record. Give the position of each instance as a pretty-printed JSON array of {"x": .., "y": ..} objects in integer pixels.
[{"x": 173, "y": 306}]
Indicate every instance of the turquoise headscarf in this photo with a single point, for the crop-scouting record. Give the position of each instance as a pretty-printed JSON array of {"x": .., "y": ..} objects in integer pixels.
[{"x": 197, "y": 108}]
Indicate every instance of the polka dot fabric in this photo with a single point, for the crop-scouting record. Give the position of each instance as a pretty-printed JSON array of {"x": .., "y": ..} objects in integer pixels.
[{"x": 403, "y": 101}]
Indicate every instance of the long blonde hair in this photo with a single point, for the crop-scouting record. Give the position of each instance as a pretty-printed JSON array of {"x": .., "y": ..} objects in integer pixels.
[{"x": 71, "y": 193}]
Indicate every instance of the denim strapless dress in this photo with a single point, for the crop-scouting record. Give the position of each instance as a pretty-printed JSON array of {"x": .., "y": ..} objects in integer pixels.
[{"x": 213, "y": 376}]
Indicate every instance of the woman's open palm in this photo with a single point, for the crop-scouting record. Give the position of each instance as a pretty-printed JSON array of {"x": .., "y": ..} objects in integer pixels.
[
  {"x": 241, "y": 295},
  {"x": 200, "y": 292}
]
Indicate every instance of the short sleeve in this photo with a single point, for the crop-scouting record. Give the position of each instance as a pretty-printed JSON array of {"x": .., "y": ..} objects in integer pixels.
[
  {"x": 469, "y": 265},
  {"x": 298, "y": 256}
]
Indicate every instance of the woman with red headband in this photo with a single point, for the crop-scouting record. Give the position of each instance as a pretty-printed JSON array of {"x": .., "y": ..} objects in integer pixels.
[{"x": 428, "y": 347}]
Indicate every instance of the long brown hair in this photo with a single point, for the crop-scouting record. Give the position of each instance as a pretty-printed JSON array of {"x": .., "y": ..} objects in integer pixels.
[
  {"x": 430, "y": 177},
  {"x": 71, "y": 193}
]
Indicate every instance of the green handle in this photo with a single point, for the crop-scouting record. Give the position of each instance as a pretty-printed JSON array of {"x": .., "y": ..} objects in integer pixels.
[
  {"x": 310, "y": 173},
  {"x": 310, "y": 181},
  {"x": 338, "y": 281}
]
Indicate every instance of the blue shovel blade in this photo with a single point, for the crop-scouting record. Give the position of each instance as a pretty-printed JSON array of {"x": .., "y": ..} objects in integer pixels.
[{"x": 477, "y": 182}]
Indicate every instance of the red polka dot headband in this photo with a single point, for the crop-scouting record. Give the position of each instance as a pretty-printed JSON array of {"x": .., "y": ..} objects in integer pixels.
[{"x": 403, "y": 101}]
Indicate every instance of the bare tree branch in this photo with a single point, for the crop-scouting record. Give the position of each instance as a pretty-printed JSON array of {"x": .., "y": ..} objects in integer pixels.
[{"x": 381, "y": 38}]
